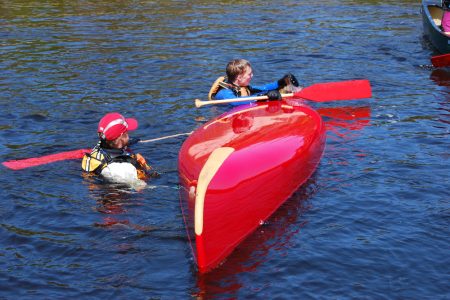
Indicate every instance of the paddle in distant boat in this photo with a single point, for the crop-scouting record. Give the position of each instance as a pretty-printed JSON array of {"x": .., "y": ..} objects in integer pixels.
[
  {"x": 319, "y": 92},
  {"x": 441, "y": 60},
  {"x": 73, "y": 154}
]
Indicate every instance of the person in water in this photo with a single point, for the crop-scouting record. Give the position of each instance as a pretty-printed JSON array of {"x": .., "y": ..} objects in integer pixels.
[
  {"x": 236, "y": 83},
  {"x": 111, "y": 157},
  {"x": 446, "y": 17}
]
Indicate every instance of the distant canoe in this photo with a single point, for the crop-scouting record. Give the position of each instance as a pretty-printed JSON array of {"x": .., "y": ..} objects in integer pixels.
[{"x": 432, "y": 18}]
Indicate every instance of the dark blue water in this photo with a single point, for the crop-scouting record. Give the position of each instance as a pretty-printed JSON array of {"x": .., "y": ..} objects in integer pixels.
[{"x": 372, "y": 223}]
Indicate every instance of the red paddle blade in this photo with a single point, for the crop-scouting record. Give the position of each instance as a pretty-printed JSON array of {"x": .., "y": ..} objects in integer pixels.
[
  {"x": 441, "y": 60},
  {"x": 37, "y": 161},
  {"x": 332, "y": 91}
]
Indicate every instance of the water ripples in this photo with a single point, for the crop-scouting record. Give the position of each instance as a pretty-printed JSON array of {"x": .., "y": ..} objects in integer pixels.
[{"x": 371, "y": 223}]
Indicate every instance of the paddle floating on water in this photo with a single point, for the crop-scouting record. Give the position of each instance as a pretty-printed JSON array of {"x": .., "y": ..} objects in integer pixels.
[
  {"x": 441, "y": 60},
  {"x": 319, "y": 92},
  {"x": 37, "y": 161},
  {"x": 73, "y": 154}
]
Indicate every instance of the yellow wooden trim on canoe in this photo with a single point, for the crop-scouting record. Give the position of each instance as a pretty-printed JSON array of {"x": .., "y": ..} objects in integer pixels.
[{"x": 212, "y": 165}]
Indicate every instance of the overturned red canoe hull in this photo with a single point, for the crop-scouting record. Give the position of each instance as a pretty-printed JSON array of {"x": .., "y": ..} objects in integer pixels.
[{"x": 237, "y": 169}]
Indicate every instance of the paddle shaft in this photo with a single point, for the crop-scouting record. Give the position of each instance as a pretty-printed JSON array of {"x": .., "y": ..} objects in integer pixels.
[
  {"x": 441, "y": 60},
  {"x": 73, "y": 154},
  {"x": 200, "y": 103}
]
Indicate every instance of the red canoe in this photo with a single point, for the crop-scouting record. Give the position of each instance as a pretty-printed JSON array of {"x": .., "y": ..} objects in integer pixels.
[{"x": 237, "y": 169}]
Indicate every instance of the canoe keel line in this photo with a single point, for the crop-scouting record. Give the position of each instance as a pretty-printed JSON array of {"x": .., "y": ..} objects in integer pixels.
[{"x": 239, "y": 168}]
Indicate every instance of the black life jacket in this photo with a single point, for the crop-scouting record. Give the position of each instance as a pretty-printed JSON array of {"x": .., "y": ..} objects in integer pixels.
[{"x": 100, "y": 157}]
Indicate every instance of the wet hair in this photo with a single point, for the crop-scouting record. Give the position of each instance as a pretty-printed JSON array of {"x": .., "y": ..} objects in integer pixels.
[{"x": 236, "y": 67}]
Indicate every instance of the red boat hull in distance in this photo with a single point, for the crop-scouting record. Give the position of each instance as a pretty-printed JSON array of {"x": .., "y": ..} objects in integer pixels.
[{"x": 237, "y": 169}]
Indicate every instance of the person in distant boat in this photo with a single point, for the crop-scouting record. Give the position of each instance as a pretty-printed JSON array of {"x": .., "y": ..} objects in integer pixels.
[
  {"x": 111, "y": 158},
  {"x": 445, "y": 23},
  {"x": 236, "y": 84}
]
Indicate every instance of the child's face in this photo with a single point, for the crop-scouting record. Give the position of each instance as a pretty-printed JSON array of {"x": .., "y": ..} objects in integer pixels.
[
  {"x": 120, "y": 142},
  {"x": 245, "y": 78}
]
